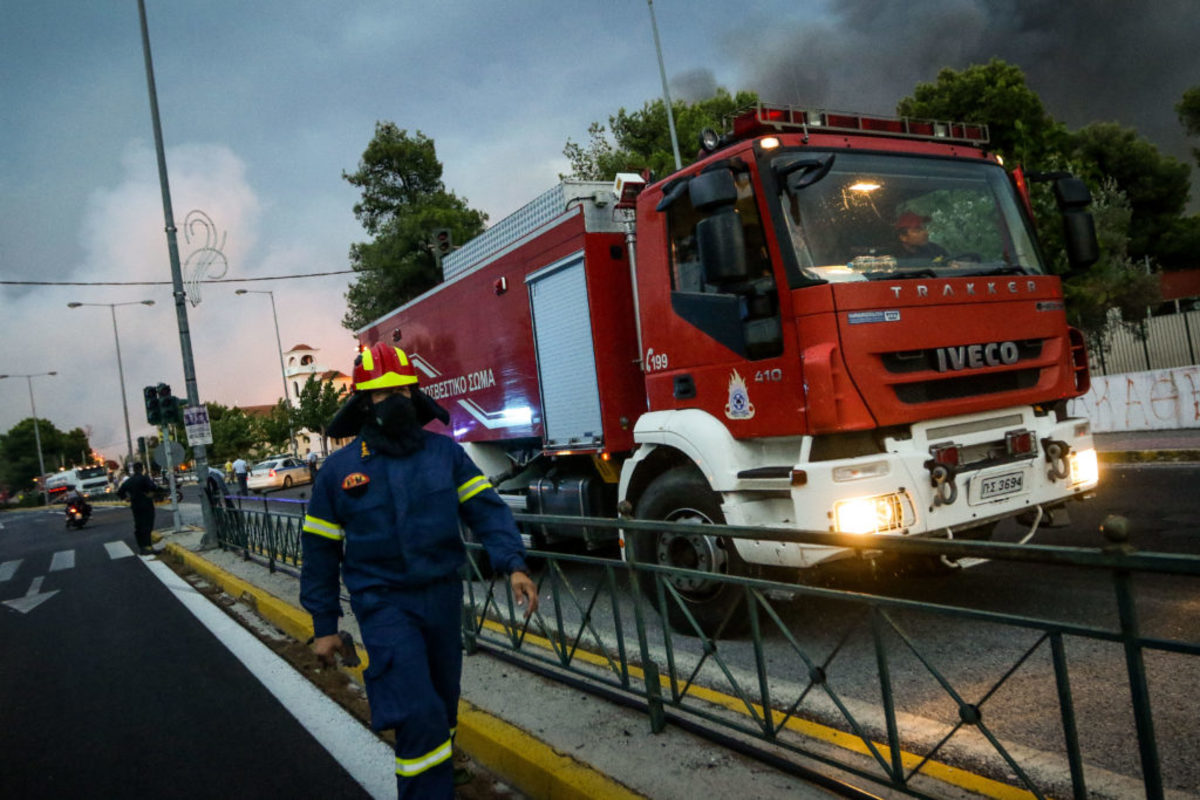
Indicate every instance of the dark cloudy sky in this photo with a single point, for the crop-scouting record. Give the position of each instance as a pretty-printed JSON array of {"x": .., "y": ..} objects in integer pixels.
[{"x": 265, "y": 104}]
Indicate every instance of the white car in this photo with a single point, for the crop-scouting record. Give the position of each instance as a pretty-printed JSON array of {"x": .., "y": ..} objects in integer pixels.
[{"x": 280, "y": 472}]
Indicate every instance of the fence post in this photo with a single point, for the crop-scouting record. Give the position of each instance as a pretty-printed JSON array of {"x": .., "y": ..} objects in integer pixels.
[
  {"x": 1146, "y": 341},
  {"x": 652, "y": 682}
]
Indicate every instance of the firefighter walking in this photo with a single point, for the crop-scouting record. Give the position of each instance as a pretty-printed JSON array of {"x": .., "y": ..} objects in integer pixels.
[{"x": 385, "y": 512}]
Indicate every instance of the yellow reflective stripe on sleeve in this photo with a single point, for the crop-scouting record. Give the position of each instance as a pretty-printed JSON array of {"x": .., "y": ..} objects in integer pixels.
[
  {"x": 472, "y": 488},
  {"x": 408, "y": 767},
  {"x": 322, "y": 528}
]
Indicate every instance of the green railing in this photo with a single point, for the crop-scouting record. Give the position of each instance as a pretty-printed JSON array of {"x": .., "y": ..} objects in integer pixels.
[{"x": 790, "y": 690}]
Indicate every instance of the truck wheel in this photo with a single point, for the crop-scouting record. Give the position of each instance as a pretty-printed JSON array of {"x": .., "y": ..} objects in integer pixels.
[{"x": 683, "y": 495}]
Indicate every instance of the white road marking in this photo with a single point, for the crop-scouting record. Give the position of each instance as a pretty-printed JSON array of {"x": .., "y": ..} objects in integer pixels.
[
  {"x": 369, "y": 760},
  {"x": 63, "y": 559},
  {"x": 33, "y": 598},
  {"x": 8, "y": 569},
  {"x": 117, "y": 550}
]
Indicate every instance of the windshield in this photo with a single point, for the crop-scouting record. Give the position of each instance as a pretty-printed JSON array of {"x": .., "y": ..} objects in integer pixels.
[
  {"x": 881, "y": 217},
  {"x": 93, "y": 472}
]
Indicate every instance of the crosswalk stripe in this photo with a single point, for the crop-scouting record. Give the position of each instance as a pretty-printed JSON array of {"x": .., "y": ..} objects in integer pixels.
[
  {"x": 117, "y": 550},
  {"x": 63, "y": 559},
  {"x": 8, "y": 569}
]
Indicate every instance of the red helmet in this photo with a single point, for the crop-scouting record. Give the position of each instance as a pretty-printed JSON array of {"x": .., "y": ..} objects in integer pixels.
[{"x": 382, "y": 367}]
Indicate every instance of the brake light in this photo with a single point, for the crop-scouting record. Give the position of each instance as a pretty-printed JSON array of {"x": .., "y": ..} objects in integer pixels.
[
  {"x": 946, "y": 454},
  {"x": 1019, "y": 443},
  {"x": 271, "y": 473}
]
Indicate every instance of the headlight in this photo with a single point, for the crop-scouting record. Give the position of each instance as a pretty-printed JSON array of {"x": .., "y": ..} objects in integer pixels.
[
  {"x": 879, "y": 514},
  {"x": 1085, "y": 469}
]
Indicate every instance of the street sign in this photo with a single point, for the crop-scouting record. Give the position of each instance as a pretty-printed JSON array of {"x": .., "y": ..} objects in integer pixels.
[
  {"x": 160, "y": 454},
  {"x": 195, "y": 419}
]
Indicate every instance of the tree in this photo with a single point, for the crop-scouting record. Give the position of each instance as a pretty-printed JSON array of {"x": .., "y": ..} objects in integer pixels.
[
  {"x": 275, "y": 429},
  {"x": 1156, "y": 185},
  {"x": 234, "y": 434},
  {"x": 996, "y": 94},
  {"x": 1188, "y": 109},
  {"x": 1115, "y": 283},
  {"x": 643, "y": 138},
  {"x": 403, "y": 201},
  {"x": 317, "y": 403},
  {"x": 19, "y": 451}
]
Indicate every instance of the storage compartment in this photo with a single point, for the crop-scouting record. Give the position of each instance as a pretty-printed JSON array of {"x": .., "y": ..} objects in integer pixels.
[{"x": 574, "y": 497}]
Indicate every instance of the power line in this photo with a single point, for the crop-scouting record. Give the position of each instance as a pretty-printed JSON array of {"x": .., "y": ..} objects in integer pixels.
[{"x": 169, "y": 283}]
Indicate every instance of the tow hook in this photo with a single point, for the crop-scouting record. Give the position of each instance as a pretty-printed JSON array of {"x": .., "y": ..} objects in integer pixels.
[
  {"x": 1056, "y": 456},
  {"x": 941, "y": 478}
]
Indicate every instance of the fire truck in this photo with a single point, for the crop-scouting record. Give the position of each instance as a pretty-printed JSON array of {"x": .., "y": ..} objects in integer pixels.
[{"x": 828, "y": 322}]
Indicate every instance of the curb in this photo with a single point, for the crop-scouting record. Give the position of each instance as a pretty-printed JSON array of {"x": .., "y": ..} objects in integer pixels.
[
  {"x": 1146, "y": 456},
  {"x": 531, "y": 765}
]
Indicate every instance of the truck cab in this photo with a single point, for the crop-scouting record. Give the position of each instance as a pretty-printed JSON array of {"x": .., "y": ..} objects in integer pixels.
[{"x": 847, "y": 325}]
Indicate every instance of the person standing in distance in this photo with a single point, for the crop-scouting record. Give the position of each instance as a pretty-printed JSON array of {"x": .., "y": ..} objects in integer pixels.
[
  {"x": 139, "y": 490},
  {"x": 385, "y": 512},
  {"x": 310, "y": 458},
  {"x": 239, "y": 471}
]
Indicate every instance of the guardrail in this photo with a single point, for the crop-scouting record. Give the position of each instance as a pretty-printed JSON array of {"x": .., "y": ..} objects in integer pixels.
[{"x": 791, "y": 690}]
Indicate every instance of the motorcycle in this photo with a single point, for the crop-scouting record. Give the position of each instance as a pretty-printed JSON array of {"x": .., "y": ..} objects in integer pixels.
[{"x": 78, "y": 513}]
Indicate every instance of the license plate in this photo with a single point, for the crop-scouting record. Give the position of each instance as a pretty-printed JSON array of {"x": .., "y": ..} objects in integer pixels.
[{"x": 1000, "y": 485}]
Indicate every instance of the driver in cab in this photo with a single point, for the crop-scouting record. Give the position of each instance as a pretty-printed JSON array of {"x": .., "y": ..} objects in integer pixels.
[{"x": 913, "y": 239}]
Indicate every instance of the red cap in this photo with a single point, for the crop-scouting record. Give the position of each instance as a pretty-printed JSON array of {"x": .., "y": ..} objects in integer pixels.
[{"x": 910, "y": 220}]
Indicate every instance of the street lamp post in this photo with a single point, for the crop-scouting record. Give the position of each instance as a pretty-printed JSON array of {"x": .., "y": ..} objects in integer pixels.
[
  {"x": 37, "y": 437},
  {"x": 120, "y": 368},
  {"x": 282, "y": 371}
]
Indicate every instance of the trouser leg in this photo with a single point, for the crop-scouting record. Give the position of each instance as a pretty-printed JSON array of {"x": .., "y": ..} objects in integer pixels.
[
  {"x": 402, "y": 692},
  {"x": 143, "y": 524}
]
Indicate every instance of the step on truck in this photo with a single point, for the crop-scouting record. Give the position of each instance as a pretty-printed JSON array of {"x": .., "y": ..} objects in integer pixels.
[{"x": 828, "y": 322}]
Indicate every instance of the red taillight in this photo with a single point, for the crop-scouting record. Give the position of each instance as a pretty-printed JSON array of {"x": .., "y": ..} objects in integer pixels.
[
  {"x": 945, "y": 454},
  {"x": 271, "y": 474},
  {"x": 1019, "y": 443}
]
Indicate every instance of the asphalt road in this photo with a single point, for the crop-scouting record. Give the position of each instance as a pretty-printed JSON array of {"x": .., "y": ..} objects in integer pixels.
[{"x": 111, "y": 687}]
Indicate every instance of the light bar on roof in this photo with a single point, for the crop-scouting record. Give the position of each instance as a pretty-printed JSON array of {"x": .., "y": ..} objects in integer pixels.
[{"x": 764, "y": 118}]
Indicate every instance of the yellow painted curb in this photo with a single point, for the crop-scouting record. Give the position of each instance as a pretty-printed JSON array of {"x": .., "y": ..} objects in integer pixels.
[{"x": 528, "y": 763}]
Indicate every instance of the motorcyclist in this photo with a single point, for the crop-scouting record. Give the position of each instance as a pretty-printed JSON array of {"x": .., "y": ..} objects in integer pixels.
[{"x": 74, "y": 497}]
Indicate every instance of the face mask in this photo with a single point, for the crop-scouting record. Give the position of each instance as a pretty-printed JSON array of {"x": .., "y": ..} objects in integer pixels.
[{"x": 396, "y": 416}]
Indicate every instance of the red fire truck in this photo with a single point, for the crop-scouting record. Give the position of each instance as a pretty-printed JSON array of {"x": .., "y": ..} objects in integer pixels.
[{"x": 827, "y": 322}]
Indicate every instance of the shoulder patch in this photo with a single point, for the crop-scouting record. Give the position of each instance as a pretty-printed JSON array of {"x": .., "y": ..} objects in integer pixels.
[{"x": 355, "y": 480}]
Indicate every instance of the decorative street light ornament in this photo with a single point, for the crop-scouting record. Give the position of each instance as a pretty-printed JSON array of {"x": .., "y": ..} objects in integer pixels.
[{"x": 196, "y": 265}]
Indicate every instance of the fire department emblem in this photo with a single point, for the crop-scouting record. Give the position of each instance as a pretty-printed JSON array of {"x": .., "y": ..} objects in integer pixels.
[
  {"x": 739, "y": 405},
  {"x": 354, "y": 480}
]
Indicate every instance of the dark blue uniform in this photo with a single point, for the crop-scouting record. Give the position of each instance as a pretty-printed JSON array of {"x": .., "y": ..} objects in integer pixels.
[{"x": 392, "y": 526}]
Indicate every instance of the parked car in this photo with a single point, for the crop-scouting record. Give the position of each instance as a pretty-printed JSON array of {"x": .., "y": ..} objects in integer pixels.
[{"x": 280, "y": 472}]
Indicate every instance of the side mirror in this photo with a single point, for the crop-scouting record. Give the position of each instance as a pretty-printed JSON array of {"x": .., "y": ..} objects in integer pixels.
[
  {"x": 1079, "y": 229},
  {"x": 711, "y": 190},
  {"x": 722, "y": 248}
]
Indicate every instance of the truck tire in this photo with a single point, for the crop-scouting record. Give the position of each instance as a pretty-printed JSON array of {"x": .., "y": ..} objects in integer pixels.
[{"x": 683, "y": 495}]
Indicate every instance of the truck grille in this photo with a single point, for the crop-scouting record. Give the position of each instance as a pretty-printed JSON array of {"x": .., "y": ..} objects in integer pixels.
[
  {"x": 957, "y": 385},
  {"x": 966, "y": 386},
  {"x": 903, "y": 362}
]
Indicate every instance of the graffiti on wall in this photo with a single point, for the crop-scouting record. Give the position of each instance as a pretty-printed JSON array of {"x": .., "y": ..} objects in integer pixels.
[{"x": 1161, "y": 399}]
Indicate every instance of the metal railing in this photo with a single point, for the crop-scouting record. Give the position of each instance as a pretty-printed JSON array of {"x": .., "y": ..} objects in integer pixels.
[
  {"x": 791, "y": 691},
  {"x": 1161, "y": 342}
]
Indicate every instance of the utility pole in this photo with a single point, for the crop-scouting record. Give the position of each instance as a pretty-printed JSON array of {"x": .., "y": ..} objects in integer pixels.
[
  {"x": 662, "y": 71},
  {"x": 185, "y": 339}
]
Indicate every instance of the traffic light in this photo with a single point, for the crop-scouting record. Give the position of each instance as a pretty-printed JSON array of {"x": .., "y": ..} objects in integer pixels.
[
  {"x": 172, "y": 410},
  {"x": 442, "y": 242},
  {"x": 141, "y": 444},
  {"x": 153, "y": 410}
]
